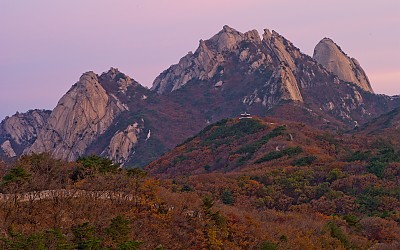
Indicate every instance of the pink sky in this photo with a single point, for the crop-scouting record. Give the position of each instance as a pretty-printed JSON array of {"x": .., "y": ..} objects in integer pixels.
[{"x": 46, "y": 45}]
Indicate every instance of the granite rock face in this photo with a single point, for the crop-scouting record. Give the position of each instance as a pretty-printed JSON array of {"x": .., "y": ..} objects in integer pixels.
[
  {"x": 20, "y": 131},
  {"x": 271, "y": 54},
  {"x": 23, "y": 127},
  {"x": 208, "y": 59},
  {"x": 229, "y": 73},
  {"x": 122, "y": 144},
  {"x": 329, "y": 54},
  {"x": 8, "y": 149},
  {"x": 83, "y": 113}
]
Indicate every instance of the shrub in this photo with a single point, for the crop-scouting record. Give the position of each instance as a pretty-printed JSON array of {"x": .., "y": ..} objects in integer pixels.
[
  {"x": 271, "y": 156},
  {"x": 268, "y": 245},
  {"x": 304, "y": 161},
  {"x": 377, "y": 168},
  {"x": 291, "y": 151},
  {"x": 336, "y": 232},
  {"x": 84, "y": 237},
  {"x": 359, "y": 156},
  {"x": 16, "y": 175},
  {"x": 98, "y": 164},
  {"x": 227, "y": 197}
]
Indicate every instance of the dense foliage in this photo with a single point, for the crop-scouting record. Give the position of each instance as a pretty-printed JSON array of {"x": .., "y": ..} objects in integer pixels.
[{"x": 239, "y": 184}]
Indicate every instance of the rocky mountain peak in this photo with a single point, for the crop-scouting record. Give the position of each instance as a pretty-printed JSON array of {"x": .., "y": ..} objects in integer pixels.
[
  {"x": 253, "y": 36},
  {"x": 115, "y": 81},
  {"x": 87, "y": 77},
  {"x": 209, "y": 57},
  {"x": 114, "y": 73},
  {"x": 82, "y": 114},
  {"x": 331, "y": 57},
  {"x": 20, "y": 130},
  {"x": 227, "y": 39},
  {"x": 281, "y": 49}
]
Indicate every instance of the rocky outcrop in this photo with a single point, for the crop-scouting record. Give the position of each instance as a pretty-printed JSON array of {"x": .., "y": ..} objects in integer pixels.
[
  {"x": 289, "y": 86},
  {"x": 281, "y": 49},
  {"x": 122, "y": 143},
  {"x": 229, "y": 73},
  {"x": 8, "y": 149},
  {"x": 212, "y": 55},
  {"x": 329, "y": 54},
  {"x": 23, "y": 127},
  {"x": 20, "y": 131},
  {"x": 208, "y": 60},
  {"x": 281, "y": 86},
  {"x": 83, "y": 113}
]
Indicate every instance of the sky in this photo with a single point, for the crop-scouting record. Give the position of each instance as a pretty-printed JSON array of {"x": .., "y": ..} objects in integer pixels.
[{"x": 45, "y": 45}]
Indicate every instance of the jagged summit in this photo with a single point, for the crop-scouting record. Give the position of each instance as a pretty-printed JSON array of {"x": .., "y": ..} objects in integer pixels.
[
  {"x": 330, "y": 55},
  {"x": 83, "y": 113},
  {"x": 212, "y": 54},
  {"x": 113, "y": 115},
  {"x": 227, "y": 39}
]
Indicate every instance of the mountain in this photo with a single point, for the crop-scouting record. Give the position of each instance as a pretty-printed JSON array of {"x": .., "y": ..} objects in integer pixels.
[
  {"x": 243, "y": 145},
  {"x": 113, "y": 115},
  {"x": 20, "y": 131},
  {"x": 330, "y": 55},
  {"x": 83, "y": 113},
  {"x": 271, "y": 71},
  {"x": 386, "y": 126}
]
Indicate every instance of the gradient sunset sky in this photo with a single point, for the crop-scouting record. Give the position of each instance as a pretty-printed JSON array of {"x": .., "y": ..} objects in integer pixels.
[{"x": 45, "y": 45}]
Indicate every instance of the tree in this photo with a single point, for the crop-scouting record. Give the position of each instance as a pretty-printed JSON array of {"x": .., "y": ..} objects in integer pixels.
[
  {"x": 118, "y": 230},
  {"x": 227, "y": 197},
  {"x": 84, "y": 237},
  {"x": 16, "y": 175}
]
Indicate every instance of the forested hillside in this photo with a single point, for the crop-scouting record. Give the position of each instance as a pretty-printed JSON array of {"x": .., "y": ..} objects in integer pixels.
[{"x": 238, "y": 184}]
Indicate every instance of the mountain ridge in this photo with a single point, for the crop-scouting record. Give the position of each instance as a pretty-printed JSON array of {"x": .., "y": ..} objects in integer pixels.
[{"x": 229, "y": 73}]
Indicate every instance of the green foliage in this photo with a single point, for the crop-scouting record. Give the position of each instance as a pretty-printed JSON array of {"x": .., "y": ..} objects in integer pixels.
[
  {"x": 250, "y": 149},
  {"x": 304, "y": 161},
  {"x": 129, "y": 245},
  {"x": 85, "y": 237},
  {"x": 387, "y": 155},
  {"x": 352, "y": 220},
  {"x": 16, "y": 175},
  {"x": 227, "y": 197},
  {"x": 377, "y": 168},
  {"x": 268, "y": 245},
  {"x": 55, "y": 239},
  {"x": 336, "y": 232},
  {"x": 20, "y": 241},
  {"x": 136, "y": 173},
  {"x": 208, "y": 203},
  {"x": 237, "y": 130},
  {"x": 291, "y": 151},
  {"x": 50, "y": 239},
  {"x": 98, "y": 164},
  {"x": 334, "y": 174},
  {"x": 271, "y": 156},
  {"x": 328, "y": 138},
  {"x": 359, "y": 156},
  {"x": 118, "y": 229},
  {"x": 322, "y": 189},
  {"x": 186, "y": 188},
  {"x": 277, "y": 131},
  {"x": 218, "y": 219},
  {"x": 180, "y": 158},
  {"x": 369, "y": 200}
]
